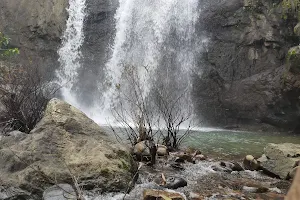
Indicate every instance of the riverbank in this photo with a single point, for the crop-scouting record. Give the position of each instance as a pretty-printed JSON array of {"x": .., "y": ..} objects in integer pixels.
[{"x": 69, "y": 154}]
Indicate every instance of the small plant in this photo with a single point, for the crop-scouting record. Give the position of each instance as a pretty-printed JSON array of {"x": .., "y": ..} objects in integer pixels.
[
  {"x": 5, "y": 50},
  {"x": 24, "y": 91}
]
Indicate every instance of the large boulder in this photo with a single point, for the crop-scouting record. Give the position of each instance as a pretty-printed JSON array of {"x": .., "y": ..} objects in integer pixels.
[
  {"x": 161, "y": 194},
  {"x": 282, "y": 158},
  {"x": 65, "y": 144}
]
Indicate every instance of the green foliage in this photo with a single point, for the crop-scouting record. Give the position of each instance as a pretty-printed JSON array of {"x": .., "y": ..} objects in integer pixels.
[
  {"x": 291, "y": 8},
  {"x": 5, "y": 50}
]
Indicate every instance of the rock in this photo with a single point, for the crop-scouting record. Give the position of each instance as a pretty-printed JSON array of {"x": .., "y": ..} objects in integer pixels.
[
  {"x": 228, "y": 167},
  {"x": 38, "y": 26},
  {"x": 219, "y": 168},
  {"x": 249, "y": 189},
  {"x": 162, "y": 150},
  {"x": 175, "y": 183},
  {"x": 293, "y": 172},
  {"x": 237, "y": 167},
  {"x": 195, "y": 196},
  {"x": 161, "y": 195},
  {"x": 192, "y": 151},
  {"x": 179, "y": 160},
  {"x": 252, "y": 92},
  {"x": 276, "y": 190},
  {"x": 12, "y": 193},
  {"x": 142, "y": 149},
  {"x": 263, "y": 158},
  {"x": 66, "y": 143},
  {"x": 60, "y": 192},
  {"x": 177, "y": 166},
  {"x": 184, "y": 156},
  {"x": 293, "y": 59},
  {"x": 254, "y": 189},
  {"x": 297, "y": 29},
  {"x": 16, "y": 134},
  {"x": 282, "y": 158},
  {"x": 199, "y": 157},
  {"x": 250, "y": 163}
]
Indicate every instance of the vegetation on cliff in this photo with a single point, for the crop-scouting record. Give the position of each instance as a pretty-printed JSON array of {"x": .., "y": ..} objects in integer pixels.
[{"x": 24, "y": 93}]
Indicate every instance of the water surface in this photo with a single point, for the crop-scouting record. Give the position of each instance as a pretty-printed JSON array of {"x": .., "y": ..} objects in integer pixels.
[{"x": 235, "y": 144}]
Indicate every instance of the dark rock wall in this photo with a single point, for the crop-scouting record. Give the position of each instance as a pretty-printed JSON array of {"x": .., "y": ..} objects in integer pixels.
[
  {"x": 99, "y": 34},
  {"x": 242, "y": 70},
  {"x": 35, "y": 27}
]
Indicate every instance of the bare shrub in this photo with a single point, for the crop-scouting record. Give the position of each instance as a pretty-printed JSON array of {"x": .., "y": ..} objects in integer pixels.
[
  {"x": 175, "y": 110},
  {"x": 145, "y": 115},
  {"x": 24, "y": 94}
]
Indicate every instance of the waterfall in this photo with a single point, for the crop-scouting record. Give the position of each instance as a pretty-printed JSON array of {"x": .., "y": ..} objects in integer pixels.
[
  {"x": 158, "y": 38},
  {"x": 70, "y": 53}
]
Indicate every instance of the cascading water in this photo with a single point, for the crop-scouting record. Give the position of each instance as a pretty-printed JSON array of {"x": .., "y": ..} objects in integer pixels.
[
  {"x": 70, "y": 53},
  {"x": 158, "y": 38}
]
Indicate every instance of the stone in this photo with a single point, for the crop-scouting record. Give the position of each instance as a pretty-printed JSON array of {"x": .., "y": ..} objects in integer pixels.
[
  {"x": 297, "y": 29},
  {"x": 249, "y": 189},
  {"x": 177, "y": 165},
  {"x": 263, "y": 158},
  {"x": 149, "y": 194},
  {"x": 60, "y": 192},
  {"x": 229, "y": 167},
  {"x": 175, "y": 183},
  {"x": 282, "y": 158},
  {"x": 199, "y": 157},
  {"x": 250, "y": 163},
  {"x": 293, "y": 59},
  {"x": 237, "y": 167},
  {"x": 220, "y": 168},
  {"x": 162, "y": 150},
  {"x": 276, "y": 190},
  {"x": 179, "y": 160},
  {"x": 254, "y": 189},
  {"x": 12, "y": 193},
  {"x": 142, "y": 149},
  {"x": 195, "y": 196},
  {"x": 184, "y": 156},
  {"x": 16, "y": 134},
  {"x": 293, "y": 172},
  {"x": 66, "y": 144}
]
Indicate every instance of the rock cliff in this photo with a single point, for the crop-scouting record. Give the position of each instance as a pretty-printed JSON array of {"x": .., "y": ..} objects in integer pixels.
[
  {"x": 35, "y": 27},
  {"x": 244, "y": 77}
]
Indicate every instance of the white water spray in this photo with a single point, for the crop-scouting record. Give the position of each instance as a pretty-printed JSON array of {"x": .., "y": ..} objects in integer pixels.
[
  {"x": 152, "y": 35},
  {"x": 70, "y": 53}
]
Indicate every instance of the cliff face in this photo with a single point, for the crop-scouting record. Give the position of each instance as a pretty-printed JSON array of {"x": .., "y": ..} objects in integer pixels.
[
  {"x": 244, "y": 77},
  {"x": 35, "y": 27}
]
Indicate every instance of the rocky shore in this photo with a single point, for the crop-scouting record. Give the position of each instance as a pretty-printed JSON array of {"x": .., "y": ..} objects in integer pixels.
[{"x": 68, "y": 156}]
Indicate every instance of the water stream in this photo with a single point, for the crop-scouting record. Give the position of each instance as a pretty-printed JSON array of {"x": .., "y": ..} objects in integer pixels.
[{"x": 70, "y": 51}]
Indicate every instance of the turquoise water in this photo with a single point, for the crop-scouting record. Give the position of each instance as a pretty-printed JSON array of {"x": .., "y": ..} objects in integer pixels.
[{"x": 235, "y": 144}]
